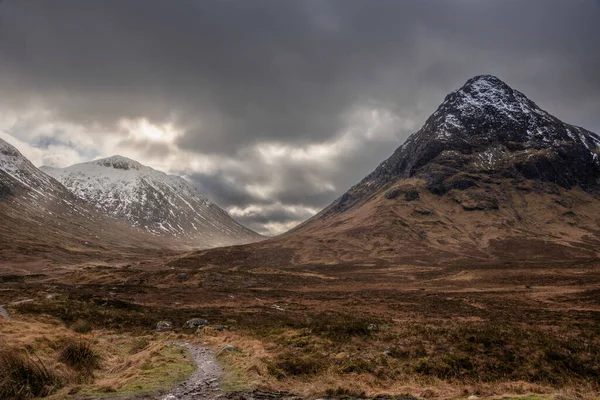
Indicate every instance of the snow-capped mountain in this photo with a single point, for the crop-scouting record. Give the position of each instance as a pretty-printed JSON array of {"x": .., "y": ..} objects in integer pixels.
[
  {"x": 490, "y": 174},
  {"x": 40, "y": 218},
  {"x": 165, "y": 205},
  {"x": 487, "y": 127}
]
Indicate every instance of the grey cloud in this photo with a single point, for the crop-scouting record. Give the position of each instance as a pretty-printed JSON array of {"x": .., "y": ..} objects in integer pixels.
[{"x": 233, "y": 75}]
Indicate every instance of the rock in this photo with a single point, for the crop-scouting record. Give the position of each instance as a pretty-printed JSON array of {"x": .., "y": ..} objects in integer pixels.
[
  {"x": 461, "y": 183},
  {"x": 476, "y": 200},
  {"x": 196, "y": 323},
  {"x": 182, "y": 277},
  {"x": 472, "y": 397},
  {"x": 393, "y": 194},
  {"x": 562, "y": 203},
  {"x": 411, "y": 195},
  {"x": 219, "y": 327},
  {"x": 422, "y": 211},
  {"x": 373, "y": 328},
  {"x": 164, "y": 325},
  {"x": 228, "y": 348}
]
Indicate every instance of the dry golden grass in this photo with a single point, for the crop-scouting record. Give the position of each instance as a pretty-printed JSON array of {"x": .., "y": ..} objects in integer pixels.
[
  {"x": 98, "y": 362},
  {"x": 315, "y": 370}
]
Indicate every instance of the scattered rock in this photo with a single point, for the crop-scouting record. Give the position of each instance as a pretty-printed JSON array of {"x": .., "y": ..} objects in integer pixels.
[
  {"x": 476, "y": 200},
  {"x": 461, "y": 183},
  {"x": 422, "y": 211},
  {"x": 562, "y": 203},
  {"x": 196, "y": 323},
  {"x": 219, "y": 327},
  {"x": 411, "y": 195},
  {"x": 228, "y": 348},
  {"x": 393, "y": 194},
  {"x": 164, "y": 325},
  {"x": 182, "y": 277}
]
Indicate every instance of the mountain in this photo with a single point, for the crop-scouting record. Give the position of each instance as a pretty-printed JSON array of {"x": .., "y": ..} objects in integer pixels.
[
  {"x": 486, "y": 128},
  {"x": 165, "y": 205},
  {"x": 42, "y": 220},
  {"x": 490, "y": 176}
]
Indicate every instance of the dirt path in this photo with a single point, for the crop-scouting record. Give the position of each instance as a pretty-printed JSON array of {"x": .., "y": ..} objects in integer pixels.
[
  {"x": 4, "y": 313},
  {"x": 204, "y": 382}
]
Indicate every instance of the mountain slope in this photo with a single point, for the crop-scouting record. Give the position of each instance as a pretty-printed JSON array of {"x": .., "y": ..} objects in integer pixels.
[
  {"x": 165, "y": 205},
  {"x": 490, "y": 177},
  {"x": 41, "y": 219}
]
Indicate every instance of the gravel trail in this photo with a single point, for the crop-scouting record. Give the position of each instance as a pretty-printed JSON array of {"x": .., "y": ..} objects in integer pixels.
[{"x": 204, "y": 382}]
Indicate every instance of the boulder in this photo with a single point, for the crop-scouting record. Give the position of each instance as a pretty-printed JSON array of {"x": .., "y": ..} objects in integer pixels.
[
  {"x": 164, "y": 325},
  {"x": 228, "y": 348},
  {"x": 196, "y": 323}
]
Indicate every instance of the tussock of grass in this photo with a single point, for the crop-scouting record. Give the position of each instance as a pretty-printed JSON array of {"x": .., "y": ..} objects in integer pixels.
[
  {"x": 138, "y": 345},
  {"x": 81, "y": 356},
  {"x": 22, "y": 376}
]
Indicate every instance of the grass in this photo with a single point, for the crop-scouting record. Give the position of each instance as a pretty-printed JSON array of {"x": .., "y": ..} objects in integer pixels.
[
  {"x": 49, "y": 359},
  {"x": 80, "y": 356},
  {"x": 373, "y": 341},
  {"x": 22, "y": 376},
  {"x": 81, "y": 326}
]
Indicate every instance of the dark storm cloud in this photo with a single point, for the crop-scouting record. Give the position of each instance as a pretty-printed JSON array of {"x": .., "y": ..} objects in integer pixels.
[{"x": 238, "y": 74}]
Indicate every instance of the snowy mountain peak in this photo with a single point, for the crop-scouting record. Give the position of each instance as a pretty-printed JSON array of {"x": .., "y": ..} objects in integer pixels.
[
  {"x": 163, "y": 204},
  {"x": 485, "y": 107},
  {"x": 118, "y": 162}
]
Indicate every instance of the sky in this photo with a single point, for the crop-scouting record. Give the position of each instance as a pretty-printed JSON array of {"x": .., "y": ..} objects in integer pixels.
[{"x": 273, "y": 109}]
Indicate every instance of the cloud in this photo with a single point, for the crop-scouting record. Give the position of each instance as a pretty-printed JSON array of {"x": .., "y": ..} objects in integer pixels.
[{"x": 270, "y": 102}]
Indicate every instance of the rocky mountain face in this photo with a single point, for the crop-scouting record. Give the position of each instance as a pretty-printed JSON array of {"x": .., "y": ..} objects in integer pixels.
[
  {"x": 42, "y": 219},
  {"x": 486, "y": 130},
  {"x": 490, "y": 176},
  {"x": 165, "y": 205}
]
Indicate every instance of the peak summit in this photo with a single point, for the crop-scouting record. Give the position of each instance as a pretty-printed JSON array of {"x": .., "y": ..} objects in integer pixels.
[{"x": 118, "y": 162}]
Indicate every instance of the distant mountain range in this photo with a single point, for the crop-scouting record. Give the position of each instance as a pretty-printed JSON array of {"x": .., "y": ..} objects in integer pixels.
[
  {"x": 490, "y": 176},
  {"x": 110, "y": 206}
]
